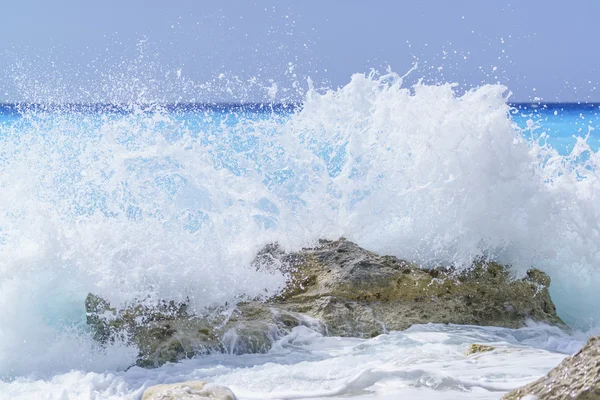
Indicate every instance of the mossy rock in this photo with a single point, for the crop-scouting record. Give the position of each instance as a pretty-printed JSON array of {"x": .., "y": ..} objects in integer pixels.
[
  {"x": 478, "y": 348},
  {"x": 352, "y": 291},
  {"x": 359, "y": 293},
  {"x": 169, "y": 333}
]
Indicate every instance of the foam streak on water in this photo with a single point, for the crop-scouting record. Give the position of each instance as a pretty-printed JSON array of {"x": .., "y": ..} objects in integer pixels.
[
  {"x": 424, "y": 362},
  {"x": 158, "y": 203}
]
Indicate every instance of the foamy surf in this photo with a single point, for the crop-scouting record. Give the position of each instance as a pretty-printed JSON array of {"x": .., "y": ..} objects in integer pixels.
[
  {"x": 426, "y": 362},
  {"x": 156, "y": 203}
]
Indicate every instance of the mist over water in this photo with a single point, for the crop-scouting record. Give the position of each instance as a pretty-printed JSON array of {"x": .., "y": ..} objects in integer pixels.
[{"x": 154, "y": 202}]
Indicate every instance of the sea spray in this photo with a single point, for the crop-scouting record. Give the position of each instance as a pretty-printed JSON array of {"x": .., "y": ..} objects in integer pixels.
[{"x": 173, "y": 203}]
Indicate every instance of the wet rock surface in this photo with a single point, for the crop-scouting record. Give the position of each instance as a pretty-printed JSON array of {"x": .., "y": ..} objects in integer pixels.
[
  {"x": 479, "y": 348},
  {"x": 336, "y": 288},
  {"x": 169, "y": 334},
  {"x": 358, "y": 293},
  {"x": 576, "y": 378}
]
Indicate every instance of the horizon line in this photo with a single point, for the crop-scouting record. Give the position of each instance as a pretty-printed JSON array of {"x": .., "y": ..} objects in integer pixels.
[{"x": 225, "y": 104}]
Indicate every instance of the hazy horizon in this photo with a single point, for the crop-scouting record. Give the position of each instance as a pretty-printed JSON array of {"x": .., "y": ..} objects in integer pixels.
[{"x": 260, "y": 51}]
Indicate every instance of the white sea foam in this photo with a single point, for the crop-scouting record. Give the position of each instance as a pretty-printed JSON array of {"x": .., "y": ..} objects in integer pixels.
[
  {"x": 425, "y": 362},
  {"x": 160, "y": 205}
]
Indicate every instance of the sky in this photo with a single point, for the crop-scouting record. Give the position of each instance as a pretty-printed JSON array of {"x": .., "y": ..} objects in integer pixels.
[{"x": 186, "y": 50}]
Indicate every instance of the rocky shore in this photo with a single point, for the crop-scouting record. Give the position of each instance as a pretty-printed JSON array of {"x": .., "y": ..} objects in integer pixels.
[
  {"x": 576, "y": 378},
  {"x": 336, "y": 288}
]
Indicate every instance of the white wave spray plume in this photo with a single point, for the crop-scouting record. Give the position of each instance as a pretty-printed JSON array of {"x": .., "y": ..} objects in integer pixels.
[{"x": 171, "y": 204}]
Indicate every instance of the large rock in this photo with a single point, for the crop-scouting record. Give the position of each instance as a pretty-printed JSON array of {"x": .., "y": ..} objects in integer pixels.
[
  {"x": 352, "y": 291},
  {"x": 169, "y": 333},
  {"x": 576, "y": 378},
  {"x": 358, "y": 293},
  {"x": 191, "y": 390}
]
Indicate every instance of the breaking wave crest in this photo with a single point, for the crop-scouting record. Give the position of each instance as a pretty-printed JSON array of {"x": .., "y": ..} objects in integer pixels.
[{"x": 173, "y": 203}]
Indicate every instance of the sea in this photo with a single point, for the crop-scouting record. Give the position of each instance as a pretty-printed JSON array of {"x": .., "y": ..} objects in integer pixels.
[{"x": 172, "y": 201}]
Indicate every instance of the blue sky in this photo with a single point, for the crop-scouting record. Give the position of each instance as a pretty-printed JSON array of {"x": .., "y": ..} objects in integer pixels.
[{"x": 73, "y": 50}]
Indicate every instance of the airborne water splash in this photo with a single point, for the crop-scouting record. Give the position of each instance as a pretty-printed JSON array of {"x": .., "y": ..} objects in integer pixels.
[{"x": 173, "y": 203}]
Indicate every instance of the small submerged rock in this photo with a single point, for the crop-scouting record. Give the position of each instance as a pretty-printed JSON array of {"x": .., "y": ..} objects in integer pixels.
[
  {"x": 336, "y": 288},
  {"x": 191, "y": 390},
  {"x": 576, "y": 378},
  {"x": 478, "y": 348}
]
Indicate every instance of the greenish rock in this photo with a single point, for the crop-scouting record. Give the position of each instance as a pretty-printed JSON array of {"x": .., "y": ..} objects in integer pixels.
[
  {"x": 576, "y": 378},
  {"x": 356, "y": 292},
  {"x": 478, "y": 348},
  {"x": 169, "y": 333},
  {"x": 336, "y": 288},
  {"x": 164, "y": 332}
]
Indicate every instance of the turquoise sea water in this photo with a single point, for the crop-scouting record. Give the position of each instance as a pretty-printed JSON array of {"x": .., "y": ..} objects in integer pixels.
[{"x": 562, "y": 122}]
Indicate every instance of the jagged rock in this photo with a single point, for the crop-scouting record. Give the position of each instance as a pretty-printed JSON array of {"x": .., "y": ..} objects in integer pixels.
[
  {"x": 354, "y": 292},
  {"x": 478, "y": 348},
  {"x": 169, "y": 333},
  {"x": 358, "y": 293},
  {"x": 576, "y": 378},
  {"x": 191, "y": 390}
]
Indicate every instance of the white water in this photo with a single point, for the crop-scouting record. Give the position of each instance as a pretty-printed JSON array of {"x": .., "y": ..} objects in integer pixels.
[
  {"x": 424, "y": 362},
  {"x": 147, "y": 205}
]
